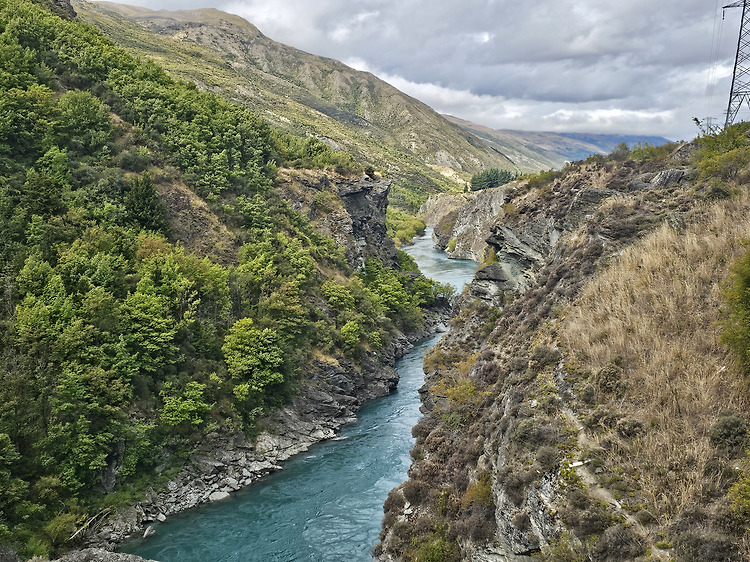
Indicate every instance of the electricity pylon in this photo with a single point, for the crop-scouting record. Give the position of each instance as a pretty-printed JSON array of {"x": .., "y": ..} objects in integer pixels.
[{"x": 741, "y": 78}]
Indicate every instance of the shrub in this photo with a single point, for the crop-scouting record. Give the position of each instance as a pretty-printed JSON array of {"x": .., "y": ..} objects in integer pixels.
[
  {"x": 546, "y": 457},
  {"x": 415, "y": 491},
  {"x": 730, "y": 433},
  {"x": 566, "y": 549},
  {"x": 544, "y": 356},
  {"x": 620, "y": 152},
  {"x": 394, "y": 501},
  {"x": 618, "y": 543},
  {"x": 480, "y": 493},
  {"x": 739, "y": 496},
  {"x": 609, "y": 379},
  {"x": 646, "y": 151},
  {"x": 707, "y": 547},
  {"x": 436, "y": 549},
  {"x": 534, "y": 432},
  {"x": 585, "y": 516},
  {"x": 479, "y": 526},
  {"x": 727, "y": 166},
  {"x": 542, "y": 179},
  {"x": 350, "y": 334},
  {"x": 187, "y": 408}
]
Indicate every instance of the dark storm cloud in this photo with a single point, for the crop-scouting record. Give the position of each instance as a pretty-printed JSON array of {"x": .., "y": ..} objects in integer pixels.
[{"x": 638, "y": 66}]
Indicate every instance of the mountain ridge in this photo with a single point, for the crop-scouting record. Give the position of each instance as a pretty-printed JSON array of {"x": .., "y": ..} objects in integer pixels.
[
  {"x": 311, "y": 95},
  {"x": 547, "y": 149},
  {"x": 303, "y": 93}
]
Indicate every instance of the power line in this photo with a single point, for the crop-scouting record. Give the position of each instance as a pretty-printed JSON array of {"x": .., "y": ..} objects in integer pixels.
[{"x": 714, "y": 60}]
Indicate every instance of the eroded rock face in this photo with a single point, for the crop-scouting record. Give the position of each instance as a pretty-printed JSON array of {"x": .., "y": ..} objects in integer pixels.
[
  {"x": 463, "y": 222},
  {"x": 366, "y": 202},
  {"x": 351, "y": 212},
  {"x": 62, "y": 8},
  {"x": 525, "y": 235},
  {"x": 520, "y": 253}
]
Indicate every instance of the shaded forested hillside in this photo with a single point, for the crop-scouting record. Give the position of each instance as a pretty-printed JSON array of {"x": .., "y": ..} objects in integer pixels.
[{"x": 156, "y": 286}]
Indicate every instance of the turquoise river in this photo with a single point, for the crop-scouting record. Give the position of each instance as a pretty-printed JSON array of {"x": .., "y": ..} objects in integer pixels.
[{"x": 326, "y": 504}]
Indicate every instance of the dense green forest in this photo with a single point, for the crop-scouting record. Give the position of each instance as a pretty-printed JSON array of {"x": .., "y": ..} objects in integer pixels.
[{"x": 118, "y": 346}]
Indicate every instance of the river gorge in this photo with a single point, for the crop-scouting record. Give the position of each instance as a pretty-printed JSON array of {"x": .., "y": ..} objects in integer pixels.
[{"x": 326, "y": 504}]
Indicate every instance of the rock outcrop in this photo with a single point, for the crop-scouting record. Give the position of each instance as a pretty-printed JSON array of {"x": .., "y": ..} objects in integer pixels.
[
  {"x": 100, "y": 555},
  {"x": 366, "y": 202},
  {"x": 62, "y": 8},
  {"x": 463, "y": 222},
  {"x": 350, "y": 211}
]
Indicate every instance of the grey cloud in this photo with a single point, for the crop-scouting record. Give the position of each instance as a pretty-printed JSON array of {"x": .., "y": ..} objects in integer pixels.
[{"x": 596, "y": 60}]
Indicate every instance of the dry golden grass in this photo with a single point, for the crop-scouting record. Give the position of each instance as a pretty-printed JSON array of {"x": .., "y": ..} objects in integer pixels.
[{"x": 657, "y": 308}]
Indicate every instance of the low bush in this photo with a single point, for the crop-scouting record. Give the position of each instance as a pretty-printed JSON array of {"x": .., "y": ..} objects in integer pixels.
[
  {"x": 415, "y": 491},
  {"x": 707, "y": 547},
  {"x": 566, "y": 549},
  {"x": 546, "y": 457},
  {"x": 618, "y": 543},
  {"x": 435, "y": 549},
  {"x": 586, "y": 516},
  {"x": 730, "y": 433}
]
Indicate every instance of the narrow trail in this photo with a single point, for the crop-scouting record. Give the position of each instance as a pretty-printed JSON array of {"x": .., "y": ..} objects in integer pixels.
[{"x": 583, "y": 470}]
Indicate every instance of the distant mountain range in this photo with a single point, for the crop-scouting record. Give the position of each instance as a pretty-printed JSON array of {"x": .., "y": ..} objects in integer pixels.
[
  {"x": 544, "y": 150},
  {"x": 350, "y": 110}
]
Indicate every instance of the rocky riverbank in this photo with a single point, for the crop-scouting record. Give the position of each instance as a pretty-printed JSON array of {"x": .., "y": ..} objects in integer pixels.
[{"x": 226, "y": 461}]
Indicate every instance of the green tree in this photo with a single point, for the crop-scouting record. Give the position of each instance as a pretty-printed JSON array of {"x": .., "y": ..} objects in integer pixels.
[
  {"x": 83, "y": 124},
  {"x": 339, "y": 296},
  {"x": 254, "y": 356},
  {"x": 144, "y": 207},
  {"x": 493, "y": 177},
  {"x": 149, "y": 331},
  {"x": 185, "y": 408},
  {"x": 86, "y": 422}
]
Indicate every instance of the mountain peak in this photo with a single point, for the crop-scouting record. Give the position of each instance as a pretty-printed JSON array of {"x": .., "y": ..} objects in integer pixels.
[{"x": 158, "y": 20}]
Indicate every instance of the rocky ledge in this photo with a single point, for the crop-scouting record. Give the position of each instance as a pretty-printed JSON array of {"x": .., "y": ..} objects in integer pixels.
[
  {"x": 462, "y": 222},
  {"x": 99, "y": 555}
]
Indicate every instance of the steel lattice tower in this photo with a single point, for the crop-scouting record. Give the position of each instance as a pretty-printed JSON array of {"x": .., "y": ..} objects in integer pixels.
[{"x": 741, "y": 78}]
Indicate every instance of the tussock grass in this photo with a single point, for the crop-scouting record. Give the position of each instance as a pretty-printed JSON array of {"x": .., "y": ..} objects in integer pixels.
[{"x": 655, "y": 312}]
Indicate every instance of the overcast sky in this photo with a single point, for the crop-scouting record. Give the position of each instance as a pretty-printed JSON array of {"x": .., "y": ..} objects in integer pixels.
[{"x": 634, "y": 66}]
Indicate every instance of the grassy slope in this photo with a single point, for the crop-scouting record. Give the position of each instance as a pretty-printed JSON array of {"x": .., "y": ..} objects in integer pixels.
[
  {"x": 656, "y": 311},
  {"x": 613, "y": 358},
  {"x": 304, "y": 94}
]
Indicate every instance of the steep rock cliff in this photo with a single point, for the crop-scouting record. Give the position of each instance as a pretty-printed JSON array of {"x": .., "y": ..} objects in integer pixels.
[
  {"x": 462, "y": 222},
  {"x": 516, "y": 453},
  {"x": 351, "y": 211},
  {"x": 62, "y": 8}
]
